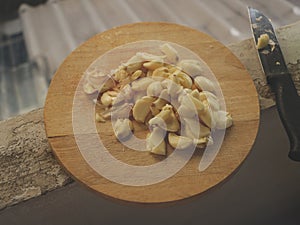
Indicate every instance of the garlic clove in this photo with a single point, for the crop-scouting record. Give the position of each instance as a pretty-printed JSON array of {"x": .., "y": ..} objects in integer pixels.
[
  {"x": 154, "y": 89},
  {"x": 161, "y": 72},
  {"x": 203, "y": 142},
  {"x": 183, "y": 79},
  {"x": 141, "y": 84},
  {"x": 213, "y": 104},
  {"x": 125, "y": 94},
  {"x": 144, "y": 56},
  {"x": 184, "y": 111},
  {"x": 223, "y": 120},
  {"x": 89, "y": 89},
  {"x": 157, "y": 106},
  {"x": 120, "y": 74},
  {"x": 142, "y": 108},
  {"x": 204, "y": 95},
  {"x": 99, "y": 118},
  {"x": 131, "y": 68},
  {"x": 166, "y": 119},
  {"x": 106, "y": 99},
  {"x": 179, "y": 142},
  {"x": 123, "y": 128},
  {"x": 152, "y": 65},
  {"x": 121, "y": 111},
  {"x": 204, "y": 131},
  {"x": 173, "y": 86},
  {"x": 155, "y": 141},
  {"x": 191, "y": 67},
  {"x": 206, "y": 117},
  {"x": 170, "y": 52},
  {"x": 204, "y": 84},
  {"x": 196, "y": 94},
  {"x": 138, "y": 95},
  {"x": 137, "y": 74}
]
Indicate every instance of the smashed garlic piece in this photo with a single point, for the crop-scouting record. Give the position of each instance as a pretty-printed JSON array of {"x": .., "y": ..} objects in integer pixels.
[
  {"x": 272, "y": 44},
  {"x": 120, "y": 74},
  {"x": 191, "y": 67},
  {"x": 193, "y": 129},
  {"x": 179, "y": 142},
  {"x": 223, "y": 120},
  {"x": 160, "y": 102},
  {"x": 152, "y": 65},
  {"x": 166, "y": 119},
  {"x": 154, "y": 89},
  {"x": 183, "y": 79},
  {"x": 89, "y": 89},
  {"x": 262, "y": 41},
  {"x": 142, "y": 108},
  {"x": 141, "y": 84},
  {"x": 108, "y": 98},
  {"x": 161, "y": 72},
  {"x": 204, "y": 84},
  {"x": 155, "y": 141},
  {"x": 137, "y": 74},
  {"x": 203, "y": 142},
  {"x": 99, "y": 118},
  {"x": 131, "y": 68},
  {"x": 170, "y": 52},
  {"x": 157, "y": 106},
  {"x": 122, "y": 111},
  {"x": 206, "y": 117}
]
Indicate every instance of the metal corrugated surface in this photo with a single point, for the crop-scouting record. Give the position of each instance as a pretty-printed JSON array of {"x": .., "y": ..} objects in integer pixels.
[
  {"x": 56, "y": 28},
  {"x": 23, "y": 83},
  {"x": 52, "y": 30}
]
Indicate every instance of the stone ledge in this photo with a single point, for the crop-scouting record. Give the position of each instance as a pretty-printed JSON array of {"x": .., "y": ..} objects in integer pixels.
[{"x": 27, "y": 165}]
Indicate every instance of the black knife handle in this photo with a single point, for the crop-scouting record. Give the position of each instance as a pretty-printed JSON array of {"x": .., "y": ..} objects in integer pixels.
[{"x": 288, "y": 106}]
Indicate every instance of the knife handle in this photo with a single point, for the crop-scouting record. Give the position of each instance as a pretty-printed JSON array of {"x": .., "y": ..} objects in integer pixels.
[{"x": 288, "y": 106}]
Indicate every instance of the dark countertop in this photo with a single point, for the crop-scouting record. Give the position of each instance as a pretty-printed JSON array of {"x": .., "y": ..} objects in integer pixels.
[{"x": 265, "y": 190}]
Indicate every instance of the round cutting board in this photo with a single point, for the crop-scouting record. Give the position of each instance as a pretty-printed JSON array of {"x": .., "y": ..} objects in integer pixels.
[{"x": 239, "y": 93}]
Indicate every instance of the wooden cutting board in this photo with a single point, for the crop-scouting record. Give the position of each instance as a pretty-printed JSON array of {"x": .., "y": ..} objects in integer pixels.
[{"x": 237, "y": 87}]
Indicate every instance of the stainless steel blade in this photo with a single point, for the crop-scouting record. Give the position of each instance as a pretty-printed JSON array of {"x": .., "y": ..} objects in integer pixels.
[{"x": 271, "y": 56}]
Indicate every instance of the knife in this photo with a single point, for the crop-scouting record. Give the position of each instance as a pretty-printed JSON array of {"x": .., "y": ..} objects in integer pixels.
[{"x": 278, "y": 77}]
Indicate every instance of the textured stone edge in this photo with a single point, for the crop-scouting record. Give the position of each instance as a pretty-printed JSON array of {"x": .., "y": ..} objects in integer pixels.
[{"x": 27, "y": 166}]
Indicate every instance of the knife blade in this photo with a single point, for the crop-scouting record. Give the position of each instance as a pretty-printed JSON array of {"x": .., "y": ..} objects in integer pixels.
[{"x": 278, "y": 77}]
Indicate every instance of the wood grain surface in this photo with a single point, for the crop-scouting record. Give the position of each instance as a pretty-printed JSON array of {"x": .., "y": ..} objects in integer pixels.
[{"x": 238, "y": 90}]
